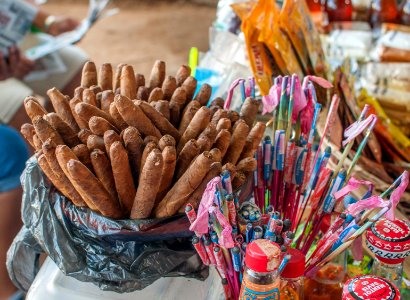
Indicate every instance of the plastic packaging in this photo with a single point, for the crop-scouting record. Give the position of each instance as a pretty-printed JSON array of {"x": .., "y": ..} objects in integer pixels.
[
  {"x": 257, "y": 53},
  {"x": 226, "y": 19},
  {"x": 121, "y": 256},
  {"x": 278, "y": 43},
  {"x": 296, "y": 21}
]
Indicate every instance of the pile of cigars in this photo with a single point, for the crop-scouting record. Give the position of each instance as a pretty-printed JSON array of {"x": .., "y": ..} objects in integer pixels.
[{"x": 127, "y": 149}]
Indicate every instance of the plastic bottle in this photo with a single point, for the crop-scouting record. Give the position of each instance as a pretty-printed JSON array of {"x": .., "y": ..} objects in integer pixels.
[
  {"x": 339, "y": 10},
  {"x": 260, "y": 279},
  {"x": 383, "y": 11},
  {"x": 390, "y": 242},
  {"x": 405, "y": 13},
  {"x": 365, "y": 287},
  {"x": 314, "y": 5},
  {"x": 292, "y": 277}
]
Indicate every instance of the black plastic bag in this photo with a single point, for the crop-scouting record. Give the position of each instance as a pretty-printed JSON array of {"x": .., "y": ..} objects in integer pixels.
[{"x": 117, "y": 255}]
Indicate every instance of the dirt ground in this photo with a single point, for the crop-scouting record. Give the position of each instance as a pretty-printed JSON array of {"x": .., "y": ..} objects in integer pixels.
[{"x": 143, "y": 31}]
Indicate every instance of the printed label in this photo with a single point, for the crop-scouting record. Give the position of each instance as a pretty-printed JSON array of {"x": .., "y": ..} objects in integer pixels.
[
  {"x": 386, "y": 250},
  {"x": 253, "y": 291},
  {"x": 397, "y": 230},
  {"x": 370, "y": 287}
]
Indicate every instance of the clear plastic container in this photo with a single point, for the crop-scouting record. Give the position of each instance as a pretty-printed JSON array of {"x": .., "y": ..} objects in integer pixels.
[
  {"x": 392, "y": 272},
  {"x": 327, "y": 284}
]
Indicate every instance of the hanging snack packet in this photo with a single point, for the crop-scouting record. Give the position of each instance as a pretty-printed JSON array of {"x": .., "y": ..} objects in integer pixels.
[
  {"x": 296, "y": 21},
  {"x": 387, "y": 132},
  {"x": 278, "y": 43},
  {"x": 258, "y": 56}
]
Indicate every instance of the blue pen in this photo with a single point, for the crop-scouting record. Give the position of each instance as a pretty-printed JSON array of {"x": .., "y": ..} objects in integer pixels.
[
  {"x": 337, "y": 184},
  {"x": 271, "y": 219},
  {"x": 349, "y": 218},
  {"x": 346, "y": 233},
  {"x": 348, "y": 199},
  {"x": 243, "y": 93},
  {"x": 299, "y": 166},
  {"x": 279, "y": 160},
  {"x": 214, "y": 237},
  {"x": 267, "y": 154},
  {"x": 255, "y": 173},
  {"x": 320, "y": 164},
  {"x": 226, "y": 181},
  {"x": 249, "y": 233},
  {"x": 218, "y": 199},
  {"x": 316, "y": 112},
  {"x": 283, "y": 264},
  {"x": 236, "y": 258}
]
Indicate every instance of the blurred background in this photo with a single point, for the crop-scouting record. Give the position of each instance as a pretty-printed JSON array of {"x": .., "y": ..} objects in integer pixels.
[{"x": 151, "y": 30}]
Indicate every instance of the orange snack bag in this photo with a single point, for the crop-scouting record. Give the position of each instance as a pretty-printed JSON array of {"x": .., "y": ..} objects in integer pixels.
[
  {"x": 278, "y": 43},
  {"x": 258, "y": 56},
  {"x": 296, "y": 21}
]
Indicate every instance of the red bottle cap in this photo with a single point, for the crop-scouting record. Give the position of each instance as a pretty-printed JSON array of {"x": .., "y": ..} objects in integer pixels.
[
  {"x": 389, "y": 240},
  {"x": 296, "y": 265},
  {"x": 369, "y": 287},
  {"x": 262, "y": 256}
]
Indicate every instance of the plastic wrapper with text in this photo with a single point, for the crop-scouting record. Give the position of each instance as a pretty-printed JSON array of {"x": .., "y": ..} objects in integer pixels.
[{"x": 120, "y": 255}]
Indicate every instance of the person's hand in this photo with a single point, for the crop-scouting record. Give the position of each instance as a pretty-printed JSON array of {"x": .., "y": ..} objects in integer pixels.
[
  {"x": 16, "y": 65},
  {"x": 4, "y": 68},
  {"x": 61, "y": 25},
  {"x": 19, "y": 64}
]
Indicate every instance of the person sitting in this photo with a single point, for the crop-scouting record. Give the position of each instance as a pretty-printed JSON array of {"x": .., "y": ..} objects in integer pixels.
[
  {"x": 13, "y": 155},
  {"x": 14, "y": 69}
]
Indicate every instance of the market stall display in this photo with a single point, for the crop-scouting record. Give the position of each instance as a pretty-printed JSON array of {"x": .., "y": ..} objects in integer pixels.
[
  {"x": 278, "y": 208},
  {"x": 122, "y": 169}
]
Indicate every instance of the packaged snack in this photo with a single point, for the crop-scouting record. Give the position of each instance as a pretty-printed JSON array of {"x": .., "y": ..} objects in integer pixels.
[
  {"x": 278, "y": 43},
  {"x": 295, "y": 20},
  {"x": 258, "y": 56}
]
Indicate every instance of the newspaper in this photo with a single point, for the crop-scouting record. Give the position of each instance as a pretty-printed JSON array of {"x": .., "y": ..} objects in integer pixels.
[
  {"x": 16, "y": 17},
  {"x": 47, "y": 65},
  {"x": 95, "y": 12}
]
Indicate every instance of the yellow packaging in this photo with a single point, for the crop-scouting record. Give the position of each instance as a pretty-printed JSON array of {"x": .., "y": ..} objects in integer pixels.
[
  {"x": 296, "y": 21},
  {"x": 278, "y": 43},
  {"x": 385, "y": 127},
  {"x": 256, "y": 50}
]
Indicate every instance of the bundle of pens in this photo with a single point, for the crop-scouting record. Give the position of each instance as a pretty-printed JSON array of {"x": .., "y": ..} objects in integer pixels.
[
  {"x": 295, "y": 191},
  {"x": 222, "y": 234},
  {"x": 290, "y": 174}
]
